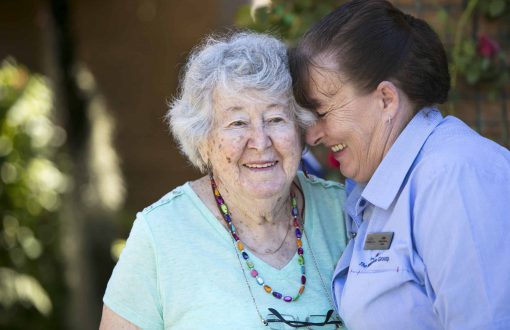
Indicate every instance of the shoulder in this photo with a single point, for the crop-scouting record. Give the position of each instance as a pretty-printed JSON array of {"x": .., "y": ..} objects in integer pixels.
[
  {"x": 322, "y": 191},
  {"x": 320, "y": 185},
  {"x": 171, "y": 209},
  {"x": 453, "y": 147},
  {"x": 326, "y": 196}
]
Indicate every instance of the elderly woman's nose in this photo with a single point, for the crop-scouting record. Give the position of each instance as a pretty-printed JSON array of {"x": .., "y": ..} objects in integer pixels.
[
  {"x": 259, "y": 138},
  {"x": 314, "y": 135}
]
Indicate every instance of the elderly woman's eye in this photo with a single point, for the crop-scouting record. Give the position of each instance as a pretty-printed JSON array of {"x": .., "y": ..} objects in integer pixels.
[
  {"x": 237, "y": 123},
  {"x": 275, "y": 120}
]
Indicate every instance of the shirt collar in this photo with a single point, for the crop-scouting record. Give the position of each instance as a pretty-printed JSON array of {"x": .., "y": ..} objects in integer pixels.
[
  {"x": 384, "y": 185},
  {"x": 352, "y": 204}
]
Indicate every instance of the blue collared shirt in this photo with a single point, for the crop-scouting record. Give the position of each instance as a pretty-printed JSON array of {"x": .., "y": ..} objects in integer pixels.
[{"x": 444, "y": 193}]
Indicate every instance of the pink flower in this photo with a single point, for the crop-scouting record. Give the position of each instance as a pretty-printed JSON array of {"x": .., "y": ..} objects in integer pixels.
[
  {"x": 332, "y": 162},
  {"x": 487, "y": 47}
]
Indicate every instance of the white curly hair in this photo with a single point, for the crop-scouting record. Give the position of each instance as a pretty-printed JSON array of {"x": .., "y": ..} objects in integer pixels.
[{"x": 235, "y": 63}]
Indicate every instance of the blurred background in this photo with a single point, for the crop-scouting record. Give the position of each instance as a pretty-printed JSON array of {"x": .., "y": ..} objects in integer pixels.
[{"x": 84, "y": 86}]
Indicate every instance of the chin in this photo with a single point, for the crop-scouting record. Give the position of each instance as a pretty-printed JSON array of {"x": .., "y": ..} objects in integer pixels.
[{"x": 265, "y": 192}]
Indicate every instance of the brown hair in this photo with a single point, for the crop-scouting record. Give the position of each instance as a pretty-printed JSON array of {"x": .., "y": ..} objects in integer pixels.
[{"x": 372, "y": 41}]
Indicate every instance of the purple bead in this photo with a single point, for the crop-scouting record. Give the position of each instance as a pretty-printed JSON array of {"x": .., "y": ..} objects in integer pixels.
[
  {"x": 245, "y": 255},
  {"x": 234, "y": 235},
  {"x": 303, "y": 279},
  {"x": 219, "y": 200},
  {"x": 298, "y": 233},
  {"x": 277, "y": 295},
  {"x": 294, "y": 212},
  {"x": 287, "y": 299},
  {"x": 300, "y": 251}
]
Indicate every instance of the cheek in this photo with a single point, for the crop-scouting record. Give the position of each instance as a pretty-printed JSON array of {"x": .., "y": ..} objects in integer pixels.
[
  {"x": 289, "y": 146},
  {"x": 227, "y": 148},
  {"x": 334, "y": 126}
]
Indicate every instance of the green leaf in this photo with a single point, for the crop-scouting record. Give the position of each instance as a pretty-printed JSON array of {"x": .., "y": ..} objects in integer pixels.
[
  {"x": 18, "y": 288},
  {"x": 288, "y": 19},
  {"x": 243, "y": 16},
  {"x": 472, "y": 77},
  {"x": 442, "y": 17},
  {"x": 485, "y": 63},
  {"x": 497, "y": 8}
]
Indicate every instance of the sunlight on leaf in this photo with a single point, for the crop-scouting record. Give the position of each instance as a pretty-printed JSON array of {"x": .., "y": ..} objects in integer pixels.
[{"x": 16, "y": 287}]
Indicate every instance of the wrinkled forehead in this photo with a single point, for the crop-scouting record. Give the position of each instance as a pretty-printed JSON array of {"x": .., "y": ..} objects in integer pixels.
[
  {"x": 323, "y": 82},
  {"x": 224, "y": 96},
  {"x": 316, "y": 77}
]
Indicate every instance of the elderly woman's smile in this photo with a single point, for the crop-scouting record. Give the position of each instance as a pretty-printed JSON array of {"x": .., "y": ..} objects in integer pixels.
[
  {"x": 252, "y": 146},
  {"x": 261, "y": 165}
]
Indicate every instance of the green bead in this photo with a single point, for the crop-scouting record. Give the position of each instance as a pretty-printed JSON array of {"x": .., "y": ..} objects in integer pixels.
[
  {"x": 294, "y": 203},
  {"x": 224, "y": 208},
  {"x": 301, "y": 260},
  {"x": 250, "y": 264},
  {"x": 296, "y": 297}
]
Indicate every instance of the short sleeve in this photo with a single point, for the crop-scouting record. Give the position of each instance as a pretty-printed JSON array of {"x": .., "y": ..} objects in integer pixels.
[
  {"x": 462, "y": 224},
  {"x": 132, "y": 290}
]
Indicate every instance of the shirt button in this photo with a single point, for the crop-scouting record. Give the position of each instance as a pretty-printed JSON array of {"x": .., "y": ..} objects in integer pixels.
[
  {"x": 353, "y": 234},
  {"x": 362, "y": 202}
]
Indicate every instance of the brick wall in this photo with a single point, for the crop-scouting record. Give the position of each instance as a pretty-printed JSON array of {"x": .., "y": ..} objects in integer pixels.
[{"x": 488, "y": 114}]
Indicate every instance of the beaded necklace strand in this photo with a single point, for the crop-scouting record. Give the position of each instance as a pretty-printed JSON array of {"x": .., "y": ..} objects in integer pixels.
[{"x": 240, "y": 246}]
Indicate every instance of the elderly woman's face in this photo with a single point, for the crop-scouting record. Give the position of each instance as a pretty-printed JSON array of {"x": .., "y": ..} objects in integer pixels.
[
  {"x": 254, "y": 147},
  {"x": 351, "y": 125}
]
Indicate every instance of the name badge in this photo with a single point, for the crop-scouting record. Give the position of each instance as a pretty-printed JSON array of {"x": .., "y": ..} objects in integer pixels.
[{"x": 378, "y": 241}]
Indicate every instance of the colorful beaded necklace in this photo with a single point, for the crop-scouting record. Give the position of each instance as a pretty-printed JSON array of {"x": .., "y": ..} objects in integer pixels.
[{"x": 240, "y": 246}]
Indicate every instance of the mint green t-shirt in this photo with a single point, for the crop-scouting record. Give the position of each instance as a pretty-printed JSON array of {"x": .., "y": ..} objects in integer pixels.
[{"x": 179, "y": 269}]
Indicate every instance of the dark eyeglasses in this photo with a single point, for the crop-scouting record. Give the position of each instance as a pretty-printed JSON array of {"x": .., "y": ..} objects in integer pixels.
[{"x": 275, "y": 320}]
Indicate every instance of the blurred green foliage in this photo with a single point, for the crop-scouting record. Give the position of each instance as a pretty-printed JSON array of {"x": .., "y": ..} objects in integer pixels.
[
  {"x": 31, "y": 283},
  {"x": 287, "y": 19},
  {"x": 477, "y": 59}
]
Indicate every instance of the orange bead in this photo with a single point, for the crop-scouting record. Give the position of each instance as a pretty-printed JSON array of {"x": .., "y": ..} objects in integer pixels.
[
  {"x": 301, "y": 289},
  {"x": 299, "y": 243},
  {"x": 267, "y": 288},
  {"x": 240, "y": 246}
]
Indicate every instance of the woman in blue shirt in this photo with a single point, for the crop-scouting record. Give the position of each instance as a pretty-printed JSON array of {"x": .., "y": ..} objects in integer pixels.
[{"x": 429, "y": 199}]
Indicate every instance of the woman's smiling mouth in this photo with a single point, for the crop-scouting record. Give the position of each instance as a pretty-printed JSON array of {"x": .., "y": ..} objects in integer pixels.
[
  {"x": 261, "y": 165},
  {"x": 338, "y": 147}
]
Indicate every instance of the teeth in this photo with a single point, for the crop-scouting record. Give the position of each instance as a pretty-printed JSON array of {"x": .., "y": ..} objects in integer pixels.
[
  {"x": 338, "y": 147},
  {"x": 260, "y": 165}
]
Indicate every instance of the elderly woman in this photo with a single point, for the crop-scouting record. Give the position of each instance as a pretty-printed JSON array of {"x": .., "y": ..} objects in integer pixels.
[
  {"x": 429, "y": 209},
  {"x": 218, "y": 252}
]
